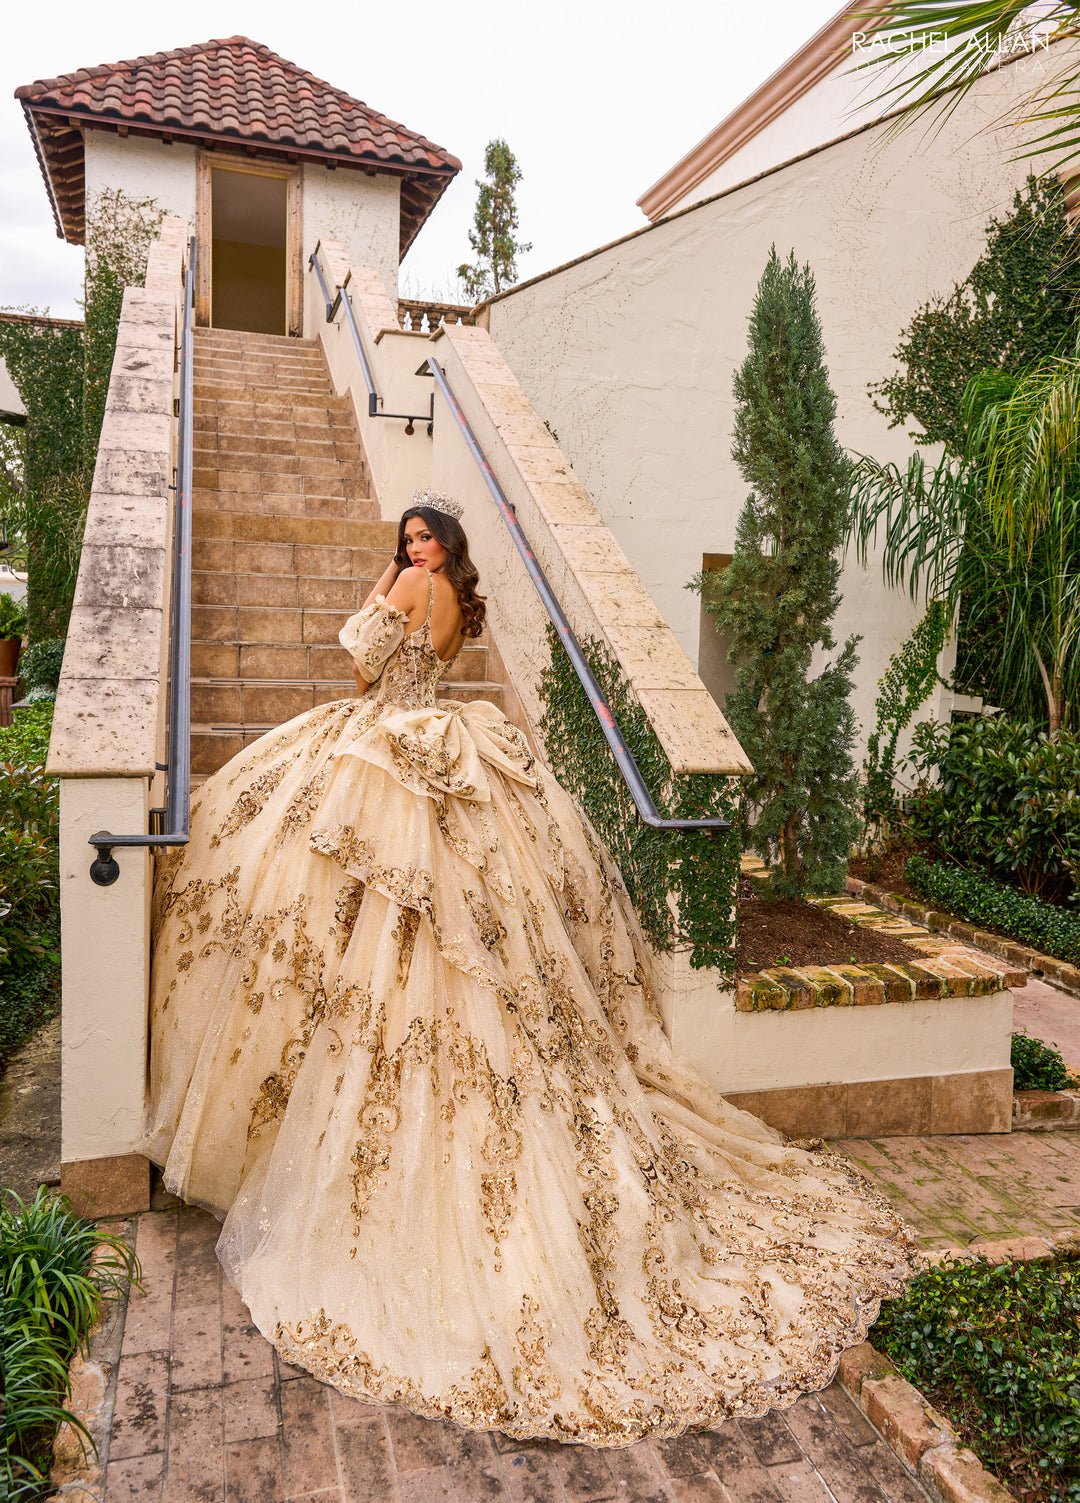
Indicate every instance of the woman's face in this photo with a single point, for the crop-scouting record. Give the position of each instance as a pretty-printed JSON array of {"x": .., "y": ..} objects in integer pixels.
[{"x": 423, "y": 548}]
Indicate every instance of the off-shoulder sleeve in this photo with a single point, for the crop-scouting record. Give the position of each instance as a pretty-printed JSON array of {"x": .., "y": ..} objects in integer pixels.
[{"x": 372, "y": 635}]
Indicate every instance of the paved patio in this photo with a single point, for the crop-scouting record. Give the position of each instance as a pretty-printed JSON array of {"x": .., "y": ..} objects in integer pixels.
[{"x": 205, "y": 1410}]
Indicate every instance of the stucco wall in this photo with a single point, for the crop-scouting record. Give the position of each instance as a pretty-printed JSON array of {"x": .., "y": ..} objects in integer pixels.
[
  {"x": 361, "y": 212},
  {"x": 142, "y": 168},
  {"x": 629, "y": 354}
]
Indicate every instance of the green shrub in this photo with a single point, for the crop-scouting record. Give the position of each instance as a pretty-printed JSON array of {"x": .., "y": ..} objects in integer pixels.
[
  {"x": 998, "y": 1350},
  {"x": 29, "y": 878},
  {"x": 40, "y": 664},
  {"x": 29, "y": 984},
  {"x": 1038, "y": 1067},
  {"x": 52, "y": 1287},
  {"x": 1002, "y": 797},
  {"x": 12, "y": 616},
  {"x": 1052, "y": 930}
]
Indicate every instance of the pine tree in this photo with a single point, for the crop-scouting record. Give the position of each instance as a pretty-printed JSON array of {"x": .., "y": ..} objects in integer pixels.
[
  {"x": 776, "y": 600},
  {"x": 494, "y": 224}
]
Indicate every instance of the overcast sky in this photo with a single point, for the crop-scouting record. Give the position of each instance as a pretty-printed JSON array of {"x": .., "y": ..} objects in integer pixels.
[{"x": 597, "y": 99}]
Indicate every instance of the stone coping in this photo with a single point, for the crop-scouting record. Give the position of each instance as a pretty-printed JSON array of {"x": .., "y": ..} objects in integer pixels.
[
  {"x": 1038, "y": 1111},
  {"x": 110, "y": 698},
  {"x": 922, "y": 1438},
  {"x": 937, "y": 970},
  {"x": 1056, "y": 972}
]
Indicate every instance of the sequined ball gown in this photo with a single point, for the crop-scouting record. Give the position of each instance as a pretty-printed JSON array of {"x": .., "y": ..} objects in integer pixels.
[{"x": 403, "y": 1041}]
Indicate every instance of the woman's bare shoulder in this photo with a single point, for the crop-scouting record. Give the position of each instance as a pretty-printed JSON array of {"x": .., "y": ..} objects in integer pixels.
[{"x": 409, "y": 589}]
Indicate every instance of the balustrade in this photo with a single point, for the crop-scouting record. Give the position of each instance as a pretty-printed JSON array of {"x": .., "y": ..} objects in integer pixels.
[{"x": 423, "y": 317}]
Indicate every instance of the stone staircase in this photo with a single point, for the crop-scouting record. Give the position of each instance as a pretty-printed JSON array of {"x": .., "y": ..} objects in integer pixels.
[{"x": 287, "y": 542}]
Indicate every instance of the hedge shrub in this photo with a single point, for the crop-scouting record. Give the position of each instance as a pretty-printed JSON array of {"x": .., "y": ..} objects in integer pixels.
[
  {"x": 1002, "y": 797},
  {"x": 29, "y": 863},
  {"x": 997, "y": 1349},
  {"x": 1054, "y": 931}
]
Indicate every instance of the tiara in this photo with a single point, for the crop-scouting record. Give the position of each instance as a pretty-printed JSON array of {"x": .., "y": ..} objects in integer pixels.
[{"x": 436, "y": 501}]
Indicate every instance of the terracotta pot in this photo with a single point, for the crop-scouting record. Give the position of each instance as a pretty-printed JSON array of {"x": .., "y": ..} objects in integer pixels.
[{"x": 9, "y": 656}]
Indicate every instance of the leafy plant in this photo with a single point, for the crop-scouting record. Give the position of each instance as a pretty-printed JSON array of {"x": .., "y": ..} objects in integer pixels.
[
  {"x": 911, "y": 674},
  {"x": 1002, "y": 797},
  {"x": 495, "y": 223},
  {"x": 1037, "y": 1066},
  {"x": 997, "y": 1349},
  {"x": 56, "y": 1269},
  {"x": 776, "y": 600},
  {"x": 699, "y": 870},
  {"x": 982, "y": 371},
  {"x": 29, "y": 861},
  {"x": 119, "y": 233},
  {"x": 980, "y": 900},
  {"x": 12, "y": 616},
  {"x": 960, "y": 40},
  {"x": 41, "y": 662}
]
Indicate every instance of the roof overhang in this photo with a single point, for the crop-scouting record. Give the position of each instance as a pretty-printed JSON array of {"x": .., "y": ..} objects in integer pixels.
[
  {"x": 59, "y": 141},
  {"x": 813, "y": 62}
]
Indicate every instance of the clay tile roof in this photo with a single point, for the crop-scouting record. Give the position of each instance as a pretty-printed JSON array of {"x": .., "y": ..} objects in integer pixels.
[{"x": 231, "y": 92}]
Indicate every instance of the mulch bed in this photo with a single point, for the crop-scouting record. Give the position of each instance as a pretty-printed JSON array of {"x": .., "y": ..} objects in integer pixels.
[
  {"x": 781, "y": 932},
  {"x": 887, "y": 870}
]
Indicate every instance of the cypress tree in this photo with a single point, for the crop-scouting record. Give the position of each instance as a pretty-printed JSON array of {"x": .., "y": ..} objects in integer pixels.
[
  {"x": 495, "y": 223},
  {"x": 776, "y": 600}
]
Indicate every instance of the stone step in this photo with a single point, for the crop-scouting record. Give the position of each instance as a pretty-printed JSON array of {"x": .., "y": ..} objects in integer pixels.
[
  {"x": 319, "y": 664},
  {"x": 300, "y": 507},
  {"x": 213, "y": 744},
  {"x": 266, "y": 626},
  {"x": 265, "y": 702},
  {"x": 266, "y": 393},
  {"x": 292, "y": 588},
  {"x": 223, "y": 463},
  {"x": 224, "y": 556},
  {"x": 219, "y": 339},
  {"x": 267, "y": 527},
  {"x": 340, "y": 432},
  {"x": 333, "y": 412},
  {"x": 262, "y": 451}
]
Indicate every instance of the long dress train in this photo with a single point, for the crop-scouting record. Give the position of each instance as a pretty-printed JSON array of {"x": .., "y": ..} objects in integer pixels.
[{"x": 403, "y": 1040}]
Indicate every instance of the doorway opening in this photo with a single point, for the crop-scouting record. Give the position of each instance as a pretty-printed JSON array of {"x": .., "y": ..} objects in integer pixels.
[
  {"x": 249, "y": 218},
  {"x": 714, "y": 670}
]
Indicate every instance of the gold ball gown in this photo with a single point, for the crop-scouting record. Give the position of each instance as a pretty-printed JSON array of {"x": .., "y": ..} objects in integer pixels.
[{"x": 403, "y": 1041}]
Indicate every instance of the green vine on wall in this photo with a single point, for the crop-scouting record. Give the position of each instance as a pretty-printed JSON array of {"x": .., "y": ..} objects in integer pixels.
[
  {"x": 119, "y": 233},
  {"x": 905, "y": 685},
  {"x": 62, "y": 372},
  {"x": 699, "y": 870}
]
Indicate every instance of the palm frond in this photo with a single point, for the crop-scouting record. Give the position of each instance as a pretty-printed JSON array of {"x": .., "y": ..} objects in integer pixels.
[{"x": 918, "y": 515}]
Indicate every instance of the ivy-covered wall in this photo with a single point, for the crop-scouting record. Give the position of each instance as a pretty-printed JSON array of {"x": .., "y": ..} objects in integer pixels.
[
  {"x": 62, "y": 372},
  {"x": 698, "y": 869}
]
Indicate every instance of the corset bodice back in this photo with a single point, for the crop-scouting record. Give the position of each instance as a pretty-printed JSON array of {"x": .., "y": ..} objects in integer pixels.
[{"x": 414, "y": 670}]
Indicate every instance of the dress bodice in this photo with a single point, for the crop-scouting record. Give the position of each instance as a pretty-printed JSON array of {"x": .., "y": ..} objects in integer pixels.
[{"x": 403, "y": 667}]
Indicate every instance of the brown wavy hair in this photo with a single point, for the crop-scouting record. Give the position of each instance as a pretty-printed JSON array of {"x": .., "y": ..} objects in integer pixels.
[{"x": 458, "y": 568}]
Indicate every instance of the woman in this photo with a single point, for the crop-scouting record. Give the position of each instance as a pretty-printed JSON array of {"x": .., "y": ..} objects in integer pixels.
[{"x": 404, "y": 1041}]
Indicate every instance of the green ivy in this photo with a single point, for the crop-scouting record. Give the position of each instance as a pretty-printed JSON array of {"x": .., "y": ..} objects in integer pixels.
[
  {"x": 908, "y": 680},
  {"x": 119, "y": 233},
  {"x": 1017, "y": 306},
  {"x": 997, "y": 1349},
  {"x": 1046, "y": 928},
  {"x": 1038, "y": 1067},
  {"x": 62, "y": 373},
  {"x": 699, "y": 870}
]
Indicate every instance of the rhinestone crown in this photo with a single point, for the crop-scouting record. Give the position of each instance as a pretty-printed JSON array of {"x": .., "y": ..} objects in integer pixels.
[{"x": 437, "y": 502}]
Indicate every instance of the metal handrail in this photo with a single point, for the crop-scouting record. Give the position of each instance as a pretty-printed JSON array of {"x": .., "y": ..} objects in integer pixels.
[
  {"x": 624, "y": 758},
  {"x": 342, "y": 300},
  {"x": 176, "y": 816}
]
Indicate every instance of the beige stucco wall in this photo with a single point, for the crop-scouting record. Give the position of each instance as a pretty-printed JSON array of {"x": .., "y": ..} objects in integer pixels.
[
  {"x": 142, "y": 168},
  {"x": 630, "y": 353},
  {"x": 362, "y": 213}
]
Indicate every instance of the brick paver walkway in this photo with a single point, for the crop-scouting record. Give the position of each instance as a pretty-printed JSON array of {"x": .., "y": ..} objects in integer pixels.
[
  {"x": 205, "y": 1410},
  {"x": 956, "y": 1191}
]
